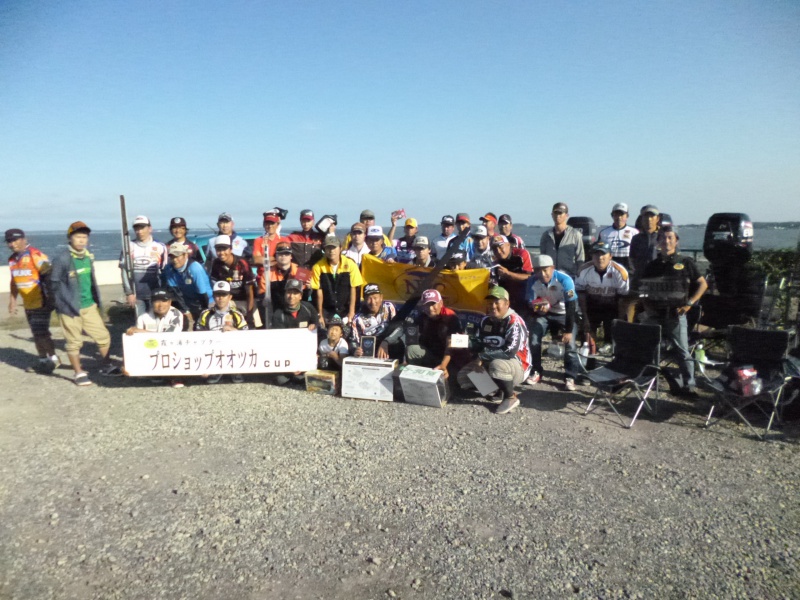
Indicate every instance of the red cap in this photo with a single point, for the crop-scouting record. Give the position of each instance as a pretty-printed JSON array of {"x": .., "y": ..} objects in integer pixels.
[{"x": 429, "y": 296}]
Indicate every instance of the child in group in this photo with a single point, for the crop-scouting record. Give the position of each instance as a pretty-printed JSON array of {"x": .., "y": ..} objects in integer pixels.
[{"x": 333, "y": 349}]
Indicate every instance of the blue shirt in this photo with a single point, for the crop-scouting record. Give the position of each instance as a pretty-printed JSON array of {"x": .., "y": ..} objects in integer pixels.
[
  {"x": 558, "y": 292},
  {"x": 192, "y": 282}
]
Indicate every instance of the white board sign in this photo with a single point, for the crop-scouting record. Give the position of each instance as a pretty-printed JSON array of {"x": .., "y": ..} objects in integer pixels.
[{"x": 211, "y": 352}]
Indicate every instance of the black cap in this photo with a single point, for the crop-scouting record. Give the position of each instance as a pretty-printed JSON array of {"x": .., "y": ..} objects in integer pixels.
[
  {"x": 600, "y": 247},
  {"x": 14, "y": 234},
  {"x": 177, "y": 222},
  {"x": 458, "y": 256},
  {"x": 293, "y": 284},
  {"x": 335, "y": 320},
  {"x": 371, "y": 288},
  {"x": 161, "y": 294},
  {"x": 448, "y": 220},
  {"x": 505, "y": 219}
]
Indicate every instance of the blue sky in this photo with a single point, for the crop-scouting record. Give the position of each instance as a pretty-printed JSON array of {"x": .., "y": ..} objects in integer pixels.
[{"x": 191, "y": 108}]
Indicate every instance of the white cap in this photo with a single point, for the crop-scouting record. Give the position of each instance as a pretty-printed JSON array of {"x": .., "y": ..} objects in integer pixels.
[
  {"x": 177, "y": 248},
  {"x": 222, "y": 287},
  {"x": 541, "y": 261},
  {"x": 480, "y": 231},
  {"x": 141, "y": 220},
  {"x": 620, "y": 206},
  {"x": 375, "y": 231},
  {"x": 222, "y": 240}
]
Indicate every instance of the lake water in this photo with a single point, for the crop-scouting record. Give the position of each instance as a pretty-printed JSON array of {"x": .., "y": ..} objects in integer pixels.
[{"x": 106, "y": 245}]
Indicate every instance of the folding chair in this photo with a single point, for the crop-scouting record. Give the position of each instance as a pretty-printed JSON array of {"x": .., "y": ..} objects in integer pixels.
[
  {"x": 634, "y": 368},
  {"x": 766, "y": 352}
]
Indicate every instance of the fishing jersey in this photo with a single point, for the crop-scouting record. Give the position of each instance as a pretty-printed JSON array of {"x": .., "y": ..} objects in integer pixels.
[
  {"x": 516, "y": 241},
  {"x": 239, "y": 247},
  {"x": 434, "y": 333},
  {"x": 239, "y": 275},
  {"x": 559, "y": 292},
  {"x": 194, "y": 249},
  {"x": 619, "y": 240},
  {"x": 335, "y": 285},
  {"x": 26, "y": 269},
  {"x": 149, "y": 259},
  {"x": 404, "y": 250},
  {"x": 602, "y": 289},
  {"x": 213, "y": 319},
  {"x": 387, "y": 253},
  {"x": 191, "y": 285},
  {"x": 440, "y": 243},
  {"x": 259, "y": 244},
  {"x": 505, "y": 338},
  {"x": 306, "y": 247},
  {"x": 481, "y": 260},
  {"x": 355, "y": 254},
  {"x": 172, "y": 321},
  {"x": 367, "y": 324}
]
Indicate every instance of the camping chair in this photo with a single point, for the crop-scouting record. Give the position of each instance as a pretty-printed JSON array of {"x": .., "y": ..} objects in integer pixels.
[
  {"x": 764, "y": 351},
  {"x": 634, "y": 368}
]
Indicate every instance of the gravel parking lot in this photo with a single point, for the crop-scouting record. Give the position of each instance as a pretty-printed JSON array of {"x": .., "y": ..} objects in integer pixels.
[{"x": 131, "y": 489}]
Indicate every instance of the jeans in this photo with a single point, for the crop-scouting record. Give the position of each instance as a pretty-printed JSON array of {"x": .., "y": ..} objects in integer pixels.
[
  {"x": 675, "y": 329},
  {"x": 537, "y": 329}
]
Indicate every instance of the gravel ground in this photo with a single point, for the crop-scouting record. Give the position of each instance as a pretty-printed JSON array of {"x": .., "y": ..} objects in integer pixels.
[{"x": 130, "y": 489}]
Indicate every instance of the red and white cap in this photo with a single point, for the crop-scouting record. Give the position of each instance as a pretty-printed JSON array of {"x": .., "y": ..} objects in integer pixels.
[{"x": 429, "y": 296}]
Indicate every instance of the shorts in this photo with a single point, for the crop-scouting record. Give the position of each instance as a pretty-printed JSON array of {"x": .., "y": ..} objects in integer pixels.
[
  {"x": 90, "y": 322},
  {"x": 39, "y": 321}
]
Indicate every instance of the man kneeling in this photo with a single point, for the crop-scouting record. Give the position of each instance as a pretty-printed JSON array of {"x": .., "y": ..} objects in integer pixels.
[
  {"x": 161, "y": 318},
  {"x": 503, "y": 350},
  {"x": 223, "y": 316}
]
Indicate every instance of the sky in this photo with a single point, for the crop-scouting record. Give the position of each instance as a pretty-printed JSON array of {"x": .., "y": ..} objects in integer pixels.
[{"x": 192, "y": 108}]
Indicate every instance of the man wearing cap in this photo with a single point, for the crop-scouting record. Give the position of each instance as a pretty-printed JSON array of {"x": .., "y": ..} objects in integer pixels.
[
  {"x": 223, "y": 316},
  {"x": 373, "y": 319},
  {"x": 264, "y": 252},
  {"x": 306, "y": 243},
  {"x": 669, "y": 264},
  {"x": 239, "y": 247},
  {"x": 294, "y": 312},
  {"x": 336, "y": 280},
  {"x": 422, "y": 252},
  {"x": 427, "y": 337},
  {"x": 562, "y": 243},
  {"x": 502, "y": 350},
  {"x": 188, "y": 282},
  {"x": 619, "y": 235},
  {"x": 552, "y": 297},
  {"x": 482, "y": 257},
  {"x": 178, "y": 229},
  {"x": 237, "y": 273},
  {"x": 29, "y": 269},
  {"x": 148, "y": 258},
  {"x": 512, "y": 270},
  {"x": 489, "y": 220},
  {"x": 404, "y": 246},
  {"x": 457, "y": 261},
  {"x": 76, "y": 298},
  {"x": 506, "y": 225},
  {"x": 462, "y": 224},
  {"x": 377, "y": 247},
  {"x": 284, "y": 271},
  {"x": 358, "y": 244},
  {"x": 600, "y": 285},
  {"x": 442, "y": 241},
  {"x": 644, "y": 245},
  {"x": 161, "y": 318}
]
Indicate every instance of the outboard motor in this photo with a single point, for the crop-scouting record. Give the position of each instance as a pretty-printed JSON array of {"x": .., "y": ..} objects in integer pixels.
[
  {"x": 588, "y": 231},
  {"x": 728, "y": 246}
]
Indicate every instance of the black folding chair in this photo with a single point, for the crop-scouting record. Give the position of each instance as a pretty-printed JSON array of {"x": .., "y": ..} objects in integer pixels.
[
  {"x": 765, "y": 351},
  {"x": 634, "y": 369}
]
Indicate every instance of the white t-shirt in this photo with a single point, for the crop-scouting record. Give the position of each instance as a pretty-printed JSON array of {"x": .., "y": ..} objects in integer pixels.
[{"x": 341, "y": 347}]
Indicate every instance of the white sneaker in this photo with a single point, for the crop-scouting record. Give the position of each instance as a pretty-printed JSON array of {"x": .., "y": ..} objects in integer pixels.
[
  {"x": 533, "y": 379},
  {"x": 569, "y": 384}
]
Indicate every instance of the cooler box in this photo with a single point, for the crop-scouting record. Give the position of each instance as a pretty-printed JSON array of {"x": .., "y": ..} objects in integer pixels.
[
  {"x": 424, "y": 386},
  {"x": 368, "y": 378},
  {"x": 322, "y": 382}
]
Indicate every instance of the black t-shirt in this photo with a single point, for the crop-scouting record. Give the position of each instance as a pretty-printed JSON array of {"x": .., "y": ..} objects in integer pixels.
[{"x": 305, "y": 315}]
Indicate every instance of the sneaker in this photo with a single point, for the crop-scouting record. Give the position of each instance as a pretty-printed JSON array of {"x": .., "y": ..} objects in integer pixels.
[
  {"x": 507, "y": 405},
  {"x": 111, "y": 371},
  {"x": 533, "y": 379},
  {"x": 214, "y": 378},
  {"x": 56, "y": 361},
  {"x": 569, "y": 384},
  {"x": 176, "y": 383},
  {"x": 82, "y": 379},
  {"x": 496, "y": 397},
  {"x": 237, "y": 378}
]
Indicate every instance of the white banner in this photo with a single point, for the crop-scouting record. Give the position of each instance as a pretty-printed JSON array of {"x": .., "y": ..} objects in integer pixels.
[{"x": 212, "y": 352}]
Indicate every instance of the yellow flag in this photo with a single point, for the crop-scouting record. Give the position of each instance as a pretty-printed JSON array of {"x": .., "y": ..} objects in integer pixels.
[{"x": 464, "y": 290}]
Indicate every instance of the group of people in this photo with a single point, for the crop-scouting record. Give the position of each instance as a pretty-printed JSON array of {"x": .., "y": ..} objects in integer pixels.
[{"x": 312, "y": 278}]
